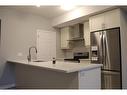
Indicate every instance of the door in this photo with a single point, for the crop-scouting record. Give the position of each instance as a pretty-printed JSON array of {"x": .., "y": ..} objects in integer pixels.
[
  {"x": 111, "y": 49},
  {"x": 110, "y": 80},
  {"x": 46, "y": 45}
]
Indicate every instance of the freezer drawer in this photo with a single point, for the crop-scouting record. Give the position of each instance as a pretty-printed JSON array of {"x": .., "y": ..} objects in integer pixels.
[{"x": 110, "y": 80}]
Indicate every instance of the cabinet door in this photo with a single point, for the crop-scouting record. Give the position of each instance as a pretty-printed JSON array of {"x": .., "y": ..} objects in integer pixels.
[
  {"x": 64, "y": 38},
  {"x": 96, "y": 22},
  {"x": 112, "y": 19},
  {"x": 86, "y": 34}
]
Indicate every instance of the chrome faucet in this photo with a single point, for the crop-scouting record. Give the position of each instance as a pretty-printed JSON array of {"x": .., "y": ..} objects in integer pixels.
[{"x": 29, "y": 56}]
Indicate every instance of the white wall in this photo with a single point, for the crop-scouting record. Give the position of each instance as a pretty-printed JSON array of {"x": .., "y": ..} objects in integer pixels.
[
  {"x": 18, "y": 33},
  {"x": 123, "y": 30}
]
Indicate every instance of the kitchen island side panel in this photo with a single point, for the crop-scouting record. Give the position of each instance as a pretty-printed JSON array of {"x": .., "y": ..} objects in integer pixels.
[
  {"x": 90, "y": 79},
  {"x": 30, "y": 77}
]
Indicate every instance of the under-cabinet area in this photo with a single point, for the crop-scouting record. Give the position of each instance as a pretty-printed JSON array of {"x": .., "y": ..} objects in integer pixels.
[{"x": 50, "y": 48}]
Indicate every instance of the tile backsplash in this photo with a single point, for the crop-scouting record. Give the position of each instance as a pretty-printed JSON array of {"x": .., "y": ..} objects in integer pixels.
[{"x": 77, "y": 47}]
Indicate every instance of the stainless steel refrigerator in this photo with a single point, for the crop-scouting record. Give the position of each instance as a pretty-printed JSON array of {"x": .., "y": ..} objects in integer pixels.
[{"x": 106, "y": 50}]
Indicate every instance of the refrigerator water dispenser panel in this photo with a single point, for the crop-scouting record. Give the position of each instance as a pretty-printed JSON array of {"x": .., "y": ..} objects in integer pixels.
[
  {"x": 94, "y": 53},
  {"x": 94, "y": 48}
]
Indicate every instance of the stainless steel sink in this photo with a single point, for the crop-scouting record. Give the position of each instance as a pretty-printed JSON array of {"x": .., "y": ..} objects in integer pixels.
[{"x": 38, "y": 61}]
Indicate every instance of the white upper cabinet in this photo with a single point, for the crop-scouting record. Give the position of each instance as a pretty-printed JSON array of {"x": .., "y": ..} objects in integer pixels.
[
  {"x": 86, "y": 34},
  {"x": 105, "y": 20},
  {"x": 96, "y": 22},
  {"x": 112, "y": 19},
  {"x": 65, "y": 37}
]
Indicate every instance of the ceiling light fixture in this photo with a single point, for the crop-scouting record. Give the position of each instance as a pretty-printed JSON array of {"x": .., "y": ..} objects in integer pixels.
[
  {"x": 38, "y": 5},
  {"x": 67, "y": 7}
]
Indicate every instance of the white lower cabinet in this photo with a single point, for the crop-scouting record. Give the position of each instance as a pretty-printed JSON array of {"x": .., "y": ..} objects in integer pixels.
[{"x": 90, "y": 79}]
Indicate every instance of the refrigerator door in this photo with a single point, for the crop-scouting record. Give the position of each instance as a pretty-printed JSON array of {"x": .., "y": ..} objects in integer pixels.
[
  {"x": 111, "y": 49},
  {"x": 96, "y": 47},
  {"x": 111, "y": 80}
]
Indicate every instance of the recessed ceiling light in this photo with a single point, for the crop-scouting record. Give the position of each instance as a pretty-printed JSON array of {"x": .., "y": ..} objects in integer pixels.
[{"x": 67, "y": 7}]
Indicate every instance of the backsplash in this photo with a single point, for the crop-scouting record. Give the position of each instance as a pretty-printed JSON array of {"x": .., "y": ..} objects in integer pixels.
[{"x": 77, "y": 47}]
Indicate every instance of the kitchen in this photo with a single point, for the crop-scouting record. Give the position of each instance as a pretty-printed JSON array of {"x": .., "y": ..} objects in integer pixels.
[{"x": 21, "y": 30}]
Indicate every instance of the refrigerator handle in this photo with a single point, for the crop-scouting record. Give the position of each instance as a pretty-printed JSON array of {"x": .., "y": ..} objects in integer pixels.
[
  {"x": 104, "y": 50},
  {"x": 101, "y": 46},
  {"x": 107, "y": 52}
]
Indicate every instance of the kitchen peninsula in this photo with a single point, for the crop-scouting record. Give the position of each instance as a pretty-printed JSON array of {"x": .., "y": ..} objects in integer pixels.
[{"x": 62, "y": 75}]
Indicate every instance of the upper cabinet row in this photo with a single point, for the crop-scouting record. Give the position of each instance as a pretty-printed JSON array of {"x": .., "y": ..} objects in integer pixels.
[{"x": 105, "y": 20}]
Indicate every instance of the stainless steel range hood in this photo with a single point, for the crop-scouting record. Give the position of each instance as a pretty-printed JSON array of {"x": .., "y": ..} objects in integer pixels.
[{"x": 77, "y": 32}]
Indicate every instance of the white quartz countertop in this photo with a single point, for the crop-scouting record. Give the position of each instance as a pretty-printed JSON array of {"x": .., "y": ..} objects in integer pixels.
[{"x": 67, "y": 67}]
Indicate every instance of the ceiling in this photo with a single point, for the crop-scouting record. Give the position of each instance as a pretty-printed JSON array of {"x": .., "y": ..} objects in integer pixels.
[{"x": 45, "y": 11}]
